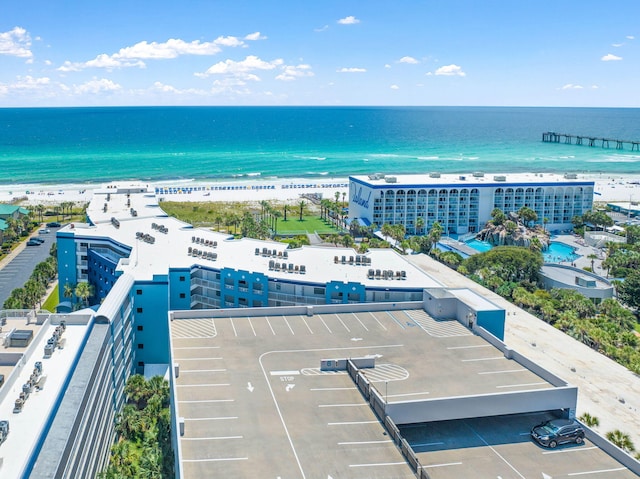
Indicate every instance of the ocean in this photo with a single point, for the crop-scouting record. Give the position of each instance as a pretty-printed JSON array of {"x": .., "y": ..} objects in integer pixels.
[{"x": 95, "y": 145}]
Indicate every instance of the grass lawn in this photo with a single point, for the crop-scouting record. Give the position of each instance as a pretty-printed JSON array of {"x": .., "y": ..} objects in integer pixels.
[
  {"x": 52, "y": 301},
  {"x": 309, "y": 224}
]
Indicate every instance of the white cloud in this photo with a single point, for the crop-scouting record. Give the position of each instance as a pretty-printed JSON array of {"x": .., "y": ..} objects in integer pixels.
[
  {"x": 350, "y": 20},
  {"x": 29, "y": 83},
  {"x": 134, "y": 56},
  {"x": 16, "y": 43},
  {"x": 630, "y": 37},
  {"x": 164, "y": 88},
  {"x": 255, "y": 36},
  {"x": 48, "y": 62},
  {"x": 351, "y": 70},
  {"x": 394, "y": 87},
  {"x": 609, "y": 57},
  {"x": 450, "y": 70},
  {"x": 96, "y": 86},
  {"x": 594, "y": 87},
  {"x": 617, "y": 45},
  {"x": 571, "y": 86},
  {"x": 242, "y": 68},
  {"x": 386, "y": 65},
  {"x": 409, "y": 60},
  {"x": 321, "y": 29},
  {"x": 292, "y": 72}
]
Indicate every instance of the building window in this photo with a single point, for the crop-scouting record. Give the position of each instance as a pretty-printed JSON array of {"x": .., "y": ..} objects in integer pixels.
[
  {"x": 140, "y": 346},
  {"x": 138, "y": 292},
  {"x": 140, "y": 328},
  {"x": 140, "y": 364},
  {"x": 139, "y": 310},
  {"x": 278, "y": 286},
  {"x": 182, "y": 278},
  {"x": 182, "y": 295}
]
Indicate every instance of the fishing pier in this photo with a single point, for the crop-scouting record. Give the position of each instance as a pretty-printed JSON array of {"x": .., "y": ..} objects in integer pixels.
[{"x": 553, "y": 137}]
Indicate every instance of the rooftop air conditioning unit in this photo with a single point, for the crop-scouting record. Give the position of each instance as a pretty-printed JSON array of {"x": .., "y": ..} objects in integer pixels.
[
  {"x": 391, "y": 179},
  {"x": 478, "y": 174},
  {"x": 499, "y": 178},
  {"x": 434, "y": 175}
]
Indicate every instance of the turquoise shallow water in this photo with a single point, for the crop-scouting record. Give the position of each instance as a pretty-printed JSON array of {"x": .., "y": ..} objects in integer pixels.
[{"x": 93, "y": 145}]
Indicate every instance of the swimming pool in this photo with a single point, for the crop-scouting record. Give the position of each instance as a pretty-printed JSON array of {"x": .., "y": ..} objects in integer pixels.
[
  {"x": 556, "y": 253},
  {"x": 478, "y": 245}
]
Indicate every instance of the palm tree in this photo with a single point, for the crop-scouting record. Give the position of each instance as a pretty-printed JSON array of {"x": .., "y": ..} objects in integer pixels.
[
  {"x": 84, "y": 291},
  {"x": 301, "y": 205},
  {"x": 275, "y": 215},
  {"x": 386, "y": 230},
  {"x": 592, "y": 257},
  {"x": 285, "y": 209},
  {"x": 419, "y": 224},
  {"x": 589, "y": 420},
  {"x": 620, "y": 439},
  {"x": 40, "y": 209}
]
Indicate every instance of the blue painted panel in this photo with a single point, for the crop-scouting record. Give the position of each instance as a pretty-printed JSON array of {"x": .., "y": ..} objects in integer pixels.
[
  {"x": 180, "y": 288},
  {"x": 67, "y": 272},
  {"x": 492, "y": 321},
  {"x": 151, "y": 324},
  {"x": 338, "y": 292}
]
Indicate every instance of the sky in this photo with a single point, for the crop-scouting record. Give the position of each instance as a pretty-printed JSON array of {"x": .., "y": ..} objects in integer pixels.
[{"x": 582, "y": 53}]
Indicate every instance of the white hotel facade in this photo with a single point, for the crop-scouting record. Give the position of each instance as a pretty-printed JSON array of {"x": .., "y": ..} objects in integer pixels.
[{"x": 463, "y": 203}]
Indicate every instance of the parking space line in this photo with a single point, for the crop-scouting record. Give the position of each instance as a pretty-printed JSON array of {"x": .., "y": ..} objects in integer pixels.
[
  {"x": 344, "y": 405},
  {"x": 351, "y": 423},
  {"x": 520, "y": 385},
  {"x": 306, "y": 324},
  {"x": 224, "y": 418},
  {"x": 377, "y": 320},
  {"x": 333, "y": 389},
  {"x": 563, "y": 451},
  {"x": 396, "y": 320},
  {"x": 252, "y": 328},
  {"x": 270, "y": 327},
  {"x": 233, "y": 326},
  {"x": 342, "y": 322},
  {"x": 494, "y": 450},
  {"x": 379, "y": 464},
  {"x": 482, "y": 359},
  {"x": 504, "y": 371},
  {"x": 596, "y": 472},
  {"x": 217, "y": 438},
  {"x": 292, "y": 372},
  {"x": 201, "y": 385},
  {"x": 206, "y": 401},
  {"x": 472, "y": 346},
  {"x": 198, "y": 347},
  {"x": 353, "y": 443},
  {"x": 361, "y": 323},
  {"x": 426, "y": 444},
  {"x": 288, "y": 325},
  {"x": 217, "y": 460},
  {"x": 325, "y": 324},
  {"x": 428, "y": 466}
]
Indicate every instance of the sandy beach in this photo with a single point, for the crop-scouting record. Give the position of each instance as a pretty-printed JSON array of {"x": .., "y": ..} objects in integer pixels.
[{"x": 607, "y": 188}]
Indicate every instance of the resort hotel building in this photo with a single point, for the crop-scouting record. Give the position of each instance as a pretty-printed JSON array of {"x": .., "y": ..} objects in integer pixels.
[
  {"x": 307, "y": 362},
  {"x": 463, "y": 203}
]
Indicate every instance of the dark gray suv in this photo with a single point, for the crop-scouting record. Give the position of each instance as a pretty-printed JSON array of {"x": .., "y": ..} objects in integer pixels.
[{"x": 558, "y": 431}]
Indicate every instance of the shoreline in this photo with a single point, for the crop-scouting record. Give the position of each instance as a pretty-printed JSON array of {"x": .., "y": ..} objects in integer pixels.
[{"x": 608, "y": 187}]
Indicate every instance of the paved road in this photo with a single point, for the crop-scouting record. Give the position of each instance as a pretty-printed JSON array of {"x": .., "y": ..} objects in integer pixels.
[{"x": 14, "y": 273}]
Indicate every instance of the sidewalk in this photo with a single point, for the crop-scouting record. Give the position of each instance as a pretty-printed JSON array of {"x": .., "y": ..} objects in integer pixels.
[{"x": 607, "y": 390}]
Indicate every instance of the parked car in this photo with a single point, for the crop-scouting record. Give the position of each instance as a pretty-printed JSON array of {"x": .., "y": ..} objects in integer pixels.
[
  {"x": 44, "y": 231},
  {"x": 558, "y": 431},
  {"x": 53, "y": 224},
  {"x": 39, "y": 240},
  {"x": 33, "y": 242}
]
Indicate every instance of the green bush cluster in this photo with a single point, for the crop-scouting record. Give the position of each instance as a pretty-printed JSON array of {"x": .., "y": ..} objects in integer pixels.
[{"x": 143, "y": 448}]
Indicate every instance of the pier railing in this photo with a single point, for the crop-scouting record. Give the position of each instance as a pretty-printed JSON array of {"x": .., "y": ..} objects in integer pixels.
[{"x": 553, "y": 137}]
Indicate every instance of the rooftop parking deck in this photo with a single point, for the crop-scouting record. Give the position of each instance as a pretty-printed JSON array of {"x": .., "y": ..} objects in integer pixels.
[{"x": 253, "y": 396}]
